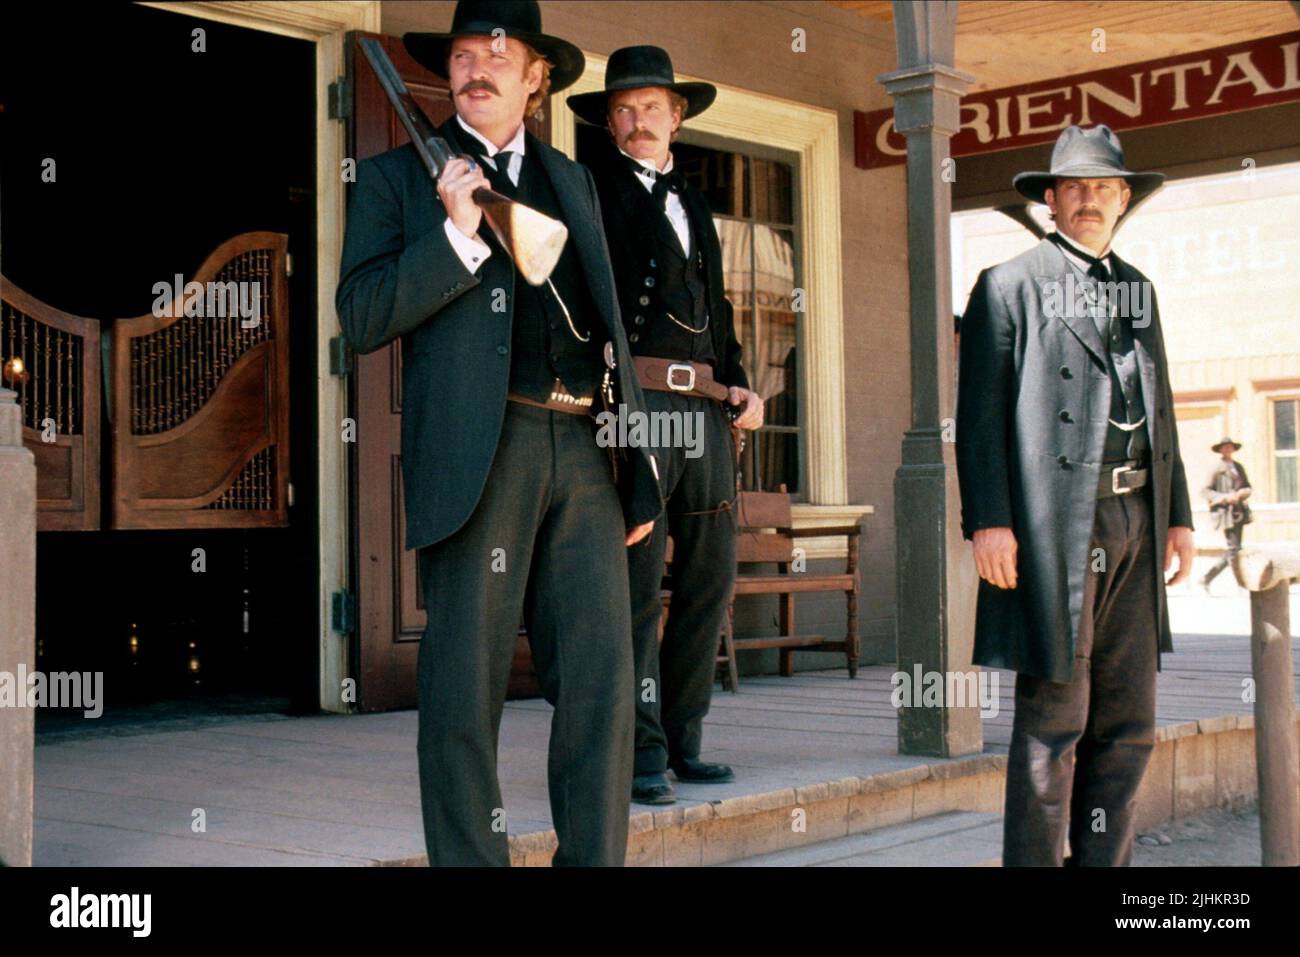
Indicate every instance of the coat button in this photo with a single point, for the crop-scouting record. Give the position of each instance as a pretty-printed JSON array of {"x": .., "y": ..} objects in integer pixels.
[
  {"x": 1065, "y": 372},
  {"x": 554, "y": 357},
  {"x": 644, "y": 300},
  {"x": 639, "y": 320},
  {"x": 502, "y": 350},
  {"x": 653, "y": 264},
  {"x": 634, "y": 337},
  {"x": 649, "y": 282},
  {"x": 1065, "y": 415},
  {"x": 1063, "y": 459}
]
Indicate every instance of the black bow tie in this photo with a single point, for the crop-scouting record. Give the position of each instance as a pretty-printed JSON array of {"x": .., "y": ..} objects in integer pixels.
[{"x": 665, "y": 183}]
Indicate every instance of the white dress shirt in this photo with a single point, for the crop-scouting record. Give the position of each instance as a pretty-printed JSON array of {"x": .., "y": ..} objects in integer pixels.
[
  {"x": 472, "y": 250},
  {"x": 673, "y": 206},
  {"x": 1082, "y": 257}
]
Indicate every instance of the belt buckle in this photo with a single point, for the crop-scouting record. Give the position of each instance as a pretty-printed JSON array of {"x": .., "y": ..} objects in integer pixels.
[
  {"x": 1114, "y": 480},
  {"x": 690, "y": 376}
]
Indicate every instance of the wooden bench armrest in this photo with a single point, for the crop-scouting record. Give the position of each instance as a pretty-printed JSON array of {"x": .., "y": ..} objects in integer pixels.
[{"x": 850, "y": 530}]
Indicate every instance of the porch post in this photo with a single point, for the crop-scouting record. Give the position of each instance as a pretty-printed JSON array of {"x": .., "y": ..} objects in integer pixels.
[
  {"x": 936, "y": 575},
  {"x": 17, "y": 632}
]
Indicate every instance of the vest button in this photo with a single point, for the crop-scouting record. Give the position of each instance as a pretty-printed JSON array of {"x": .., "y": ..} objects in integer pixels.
[
  {"x": 634, "y": 337},
  {"x": 644, "y": 300},
  {"x": 639, "y": 320},
  {"x": 653, "y": 264},
  {"x": 502, "y": 350},
  {"x": 649, "y": 282},
  {"x": 555, "y": 357}
]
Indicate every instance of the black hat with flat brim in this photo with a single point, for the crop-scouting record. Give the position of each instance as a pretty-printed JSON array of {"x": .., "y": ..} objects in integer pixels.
[
  {"x": 635, "y": 68},
  {"x": 1093, "y": 153},
  {"x": 1218, "y": 446},
  {"x": 520, "y": 19}
]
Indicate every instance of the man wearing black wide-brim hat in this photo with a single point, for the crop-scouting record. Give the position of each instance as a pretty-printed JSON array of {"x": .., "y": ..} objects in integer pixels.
[
  {"x": 668, "y": 264},
  {"x": 513, "y": 506},
  {"x": 1074, "y": 496}
]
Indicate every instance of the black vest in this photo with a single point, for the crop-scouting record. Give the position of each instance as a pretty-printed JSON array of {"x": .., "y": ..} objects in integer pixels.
[
  {"x": 683, "y": 293},
  {"x": 543, "y": 347},
  {"x": 1126, "y": 404}
]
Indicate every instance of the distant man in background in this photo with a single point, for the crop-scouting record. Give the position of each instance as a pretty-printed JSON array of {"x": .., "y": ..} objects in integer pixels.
[{"x": 1227, "y": 489}]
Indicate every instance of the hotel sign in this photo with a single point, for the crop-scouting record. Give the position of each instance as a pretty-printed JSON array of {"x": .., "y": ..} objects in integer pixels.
[{"x": 1228, "y": 79}]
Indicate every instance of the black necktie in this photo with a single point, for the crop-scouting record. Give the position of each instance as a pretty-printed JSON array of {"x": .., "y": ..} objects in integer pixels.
[
  {"x": 1096, "y": 266},
  {"x": 500, "y": 177},
  {"x": 665, "y": 183}
]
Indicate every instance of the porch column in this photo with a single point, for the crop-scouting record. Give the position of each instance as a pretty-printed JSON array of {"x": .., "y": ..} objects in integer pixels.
[
  {"x": 936, "y": 574},
  {"x": 17, "y": 631}
]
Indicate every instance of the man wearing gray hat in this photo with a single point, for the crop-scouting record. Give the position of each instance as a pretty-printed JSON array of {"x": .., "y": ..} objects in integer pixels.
[{"x": 1074, "y": 496}]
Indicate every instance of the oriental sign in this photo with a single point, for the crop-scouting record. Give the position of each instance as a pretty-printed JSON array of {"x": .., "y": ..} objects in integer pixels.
[{"x": 1228, "y": 79}]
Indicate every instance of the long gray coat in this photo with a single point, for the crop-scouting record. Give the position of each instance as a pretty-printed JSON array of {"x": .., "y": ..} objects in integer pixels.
[
  {"x": 400, "y": 277},
  {"x": 1033, "y": 400}
]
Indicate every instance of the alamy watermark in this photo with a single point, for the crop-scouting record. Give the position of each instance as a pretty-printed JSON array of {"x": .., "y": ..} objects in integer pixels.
[
  {"x": 211, "y": 299},
  {"x": 946, "y": 689},
  {"x": 1073, "y": 299},
  {"x": 58, "y": 689},
  {"x": 658, "y": 430}
]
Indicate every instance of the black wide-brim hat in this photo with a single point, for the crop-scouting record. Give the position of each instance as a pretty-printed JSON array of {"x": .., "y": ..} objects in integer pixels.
[
  {"x": 1093, "y": 153},
  {"x": 1225, "y": 441},
  {"x": 521, "y": 19},
  {"x": 634, "y": 68}
]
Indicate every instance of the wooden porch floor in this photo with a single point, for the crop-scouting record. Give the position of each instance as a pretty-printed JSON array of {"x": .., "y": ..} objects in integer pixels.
[{"x": 343, "y": 790}]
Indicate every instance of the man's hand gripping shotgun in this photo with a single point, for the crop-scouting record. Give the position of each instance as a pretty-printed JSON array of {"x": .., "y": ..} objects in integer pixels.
[{"x": 533, "y": 239}]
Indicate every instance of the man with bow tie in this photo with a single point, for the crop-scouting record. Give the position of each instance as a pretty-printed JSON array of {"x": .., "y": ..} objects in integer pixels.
[
  {"x": 510, "y": 501},
  {"x": 1074, "y": 496},
  {"x": 668, "y": 265}
]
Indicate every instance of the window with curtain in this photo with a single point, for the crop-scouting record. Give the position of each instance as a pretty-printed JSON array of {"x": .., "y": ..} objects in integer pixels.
[{"x": 753, "y": 204}]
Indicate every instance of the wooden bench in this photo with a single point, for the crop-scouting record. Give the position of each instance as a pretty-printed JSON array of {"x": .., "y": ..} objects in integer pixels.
[{"x": 765, "y": 534}]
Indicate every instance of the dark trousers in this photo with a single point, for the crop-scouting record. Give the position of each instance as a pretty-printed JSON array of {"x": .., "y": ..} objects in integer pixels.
[
  {"x": 545, "y": 540},
  {"x": 1232, "y": 545},
  {"x": 674, "y": 682},
  {"x": 1079, "y": 750}
]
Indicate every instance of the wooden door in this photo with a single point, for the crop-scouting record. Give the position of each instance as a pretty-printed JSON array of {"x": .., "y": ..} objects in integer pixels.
[
  {"x": 390, "y": 601},
  {"x": 51, "y": 359},
  {"x": 199, "y": 397}
]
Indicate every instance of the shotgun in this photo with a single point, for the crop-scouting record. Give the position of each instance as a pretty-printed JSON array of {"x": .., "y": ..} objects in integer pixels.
[{"x": 533, "y": 240}]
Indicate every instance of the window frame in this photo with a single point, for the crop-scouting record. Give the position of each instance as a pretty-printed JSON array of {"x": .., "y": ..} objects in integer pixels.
[{"x": 1274, "y": 453}]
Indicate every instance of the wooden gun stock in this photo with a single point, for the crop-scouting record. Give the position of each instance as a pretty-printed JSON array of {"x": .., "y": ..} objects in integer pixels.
[{"x": 533, "y": 240}]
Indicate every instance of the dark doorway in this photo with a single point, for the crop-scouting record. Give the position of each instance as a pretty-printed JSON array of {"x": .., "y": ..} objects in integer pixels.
[{"x": 160, "y": 153}]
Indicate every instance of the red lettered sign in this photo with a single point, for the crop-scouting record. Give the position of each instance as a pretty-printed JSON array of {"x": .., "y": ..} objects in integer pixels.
[{"x": 1228, "y": 79}]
